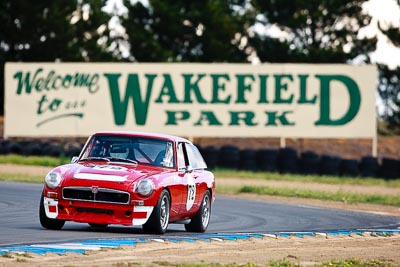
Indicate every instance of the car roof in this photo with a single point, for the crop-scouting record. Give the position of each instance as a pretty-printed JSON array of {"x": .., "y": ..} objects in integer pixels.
[{"x": 145, "y": 134}]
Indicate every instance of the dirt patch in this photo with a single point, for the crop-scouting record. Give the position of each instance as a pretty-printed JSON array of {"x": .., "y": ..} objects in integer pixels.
[{"x": 306, "y": 251}]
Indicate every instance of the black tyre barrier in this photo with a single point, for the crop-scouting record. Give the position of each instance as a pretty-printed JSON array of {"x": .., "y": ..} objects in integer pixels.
[
  {"x": 288, "y": 160},
  {"x": 15, "y": 148},
  {"x": 72, "y": 149},
  {"x": 248, "y": 160},
  {"x": 4, "y": 147},
  {"x": 349, "y": 167},
  {"x": 329, "y": 165},
  {"x": 33, "y": 149},
  {"x": 309, "y": 163},
  {"x": 53, "y": 150},
  {"x": 390, "y": 168},
  {"x": 267, "y": 159},
  {"x": 369, "y": 167},
  {"x": 210, "y": 155},
  {"x": 229, "y": 157}
]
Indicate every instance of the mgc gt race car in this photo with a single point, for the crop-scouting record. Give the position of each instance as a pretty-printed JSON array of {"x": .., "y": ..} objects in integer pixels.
[{"x": 130, "y": 178}]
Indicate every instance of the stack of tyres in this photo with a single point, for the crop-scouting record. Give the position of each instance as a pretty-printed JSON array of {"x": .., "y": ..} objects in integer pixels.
[
  {"x": 248, "y": 160},
  {"x": 390, "y": 168},
  {"x": 309, "y": 163},
  {"x": 330, "y": 165},
  {"x": 267, "y": 159},
  {"x": 210, "y": 154},
  {"x": 369, "y": 167},
  {"x": 349, "y": 167},
  {"x": 229, "y": 157},
  {"x": 288, "y": 160}
]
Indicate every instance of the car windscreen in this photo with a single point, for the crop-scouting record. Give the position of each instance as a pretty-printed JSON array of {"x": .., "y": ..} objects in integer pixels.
[{"x": 143, "y": 150}]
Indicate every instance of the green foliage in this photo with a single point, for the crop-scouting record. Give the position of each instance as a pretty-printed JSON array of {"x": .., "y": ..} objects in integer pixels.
[
  {"x": 389, "y": 90},
  {"x": 50, "y": 30},
  {"x": 317, "y": 31},
  {"x": 186, "y": 31}
]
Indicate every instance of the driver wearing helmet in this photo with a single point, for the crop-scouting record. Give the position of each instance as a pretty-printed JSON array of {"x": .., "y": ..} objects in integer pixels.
[{"x": 119, "y": 151}]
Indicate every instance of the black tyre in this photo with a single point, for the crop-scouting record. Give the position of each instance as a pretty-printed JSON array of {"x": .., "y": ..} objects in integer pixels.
[
  {"x": 199, "y": 222},
  {"x": 48, "y": 223},
  {"x": 267, "y": 159},
  {"x": 98, "y": 225},
  {"x": 159, "y": 218},
  {"x": 369, "y": 167}
]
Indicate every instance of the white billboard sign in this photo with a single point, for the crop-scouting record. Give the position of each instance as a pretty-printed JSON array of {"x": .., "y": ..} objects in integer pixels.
[{"x": 188, "y": 99}]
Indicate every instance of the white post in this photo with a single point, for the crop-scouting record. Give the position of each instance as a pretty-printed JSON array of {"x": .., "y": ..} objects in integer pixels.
[
  {"x": 283, "y": 142},
  {"x": 375, "y": 146}
]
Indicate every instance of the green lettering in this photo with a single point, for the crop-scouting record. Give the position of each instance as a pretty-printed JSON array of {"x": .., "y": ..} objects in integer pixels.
[
  {"x": 303, "y": 91},
  {"x": 209, "y": 117},
  {"x": 246, "y": 116},
  {"x": 193, "y": 87},
  {"x": 273, "y": 116},
  {"x": 167, "y": 90},
  {"x": 325, "y": 103},
  {"x": 279, "y": 86},
  {"x": 243, "y": 87},
  {"x": 24, "y": 81},
  {"x": 217, "y": 87},
  {"x": 132, "y": 92},
  {"x": 174, "y": 116},
  {"x": 263, "y": 89}
]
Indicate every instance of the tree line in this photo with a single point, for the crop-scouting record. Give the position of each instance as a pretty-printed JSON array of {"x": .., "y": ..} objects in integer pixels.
[{"x": 300, "y": 31}]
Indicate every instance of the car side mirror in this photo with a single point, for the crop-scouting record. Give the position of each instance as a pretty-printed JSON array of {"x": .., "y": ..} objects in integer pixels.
[{"x": 74, "y": 159}]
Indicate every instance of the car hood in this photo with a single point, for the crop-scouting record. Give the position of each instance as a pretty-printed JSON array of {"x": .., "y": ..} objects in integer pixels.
[{"x": 117, "y": 176}]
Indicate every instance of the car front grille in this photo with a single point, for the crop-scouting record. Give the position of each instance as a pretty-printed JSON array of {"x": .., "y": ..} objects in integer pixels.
[{"x": 103, "y": 195}]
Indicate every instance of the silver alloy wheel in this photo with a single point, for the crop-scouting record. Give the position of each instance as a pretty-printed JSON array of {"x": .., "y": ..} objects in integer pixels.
[
  {"x": 205, "y": 217},
  {"x": 164, "y": 212}
]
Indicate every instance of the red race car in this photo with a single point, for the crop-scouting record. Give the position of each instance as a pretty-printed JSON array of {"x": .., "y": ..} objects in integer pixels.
[{"x": 131, "y": 178}]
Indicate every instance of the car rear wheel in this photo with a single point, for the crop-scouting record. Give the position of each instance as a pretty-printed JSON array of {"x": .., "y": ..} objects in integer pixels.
[
  {"x": 199, "y": 222},
  {"x": 46, "y": 222},
  {"x": 159, "y": 218}
]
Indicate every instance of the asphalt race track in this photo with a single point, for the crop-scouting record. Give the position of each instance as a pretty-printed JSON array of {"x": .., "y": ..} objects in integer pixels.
[{"x": 19, "y": 222}]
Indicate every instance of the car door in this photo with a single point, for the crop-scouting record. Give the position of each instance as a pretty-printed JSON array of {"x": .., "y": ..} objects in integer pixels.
[{"x": 193, "y": 178}]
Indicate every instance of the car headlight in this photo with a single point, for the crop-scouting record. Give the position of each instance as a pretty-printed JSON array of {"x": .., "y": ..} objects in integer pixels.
[
  {"x": 145, "y": 187},
  {"x": 53, "y": 180}
]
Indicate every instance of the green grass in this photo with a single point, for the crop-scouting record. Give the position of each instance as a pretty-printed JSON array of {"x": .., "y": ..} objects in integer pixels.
[
  {"x": 305, "y": 193},
  {"x": 226, "y": 173},
  {"x": 33, "y": 160},
  {"x": 16, "y": 177}
]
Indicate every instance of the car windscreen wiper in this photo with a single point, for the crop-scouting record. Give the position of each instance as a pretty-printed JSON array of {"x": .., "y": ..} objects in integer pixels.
[
  {"x": 94, "y": 159},
  {"x": 123, "y": 160}
]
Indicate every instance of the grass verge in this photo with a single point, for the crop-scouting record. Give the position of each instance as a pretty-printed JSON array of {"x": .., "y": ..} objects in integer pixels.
[
  {"x": 322, "y": 195},
  {"x": 16, "y": 177},
  {"x": 226, "y": 173},
  {"x": 33, "y": 160}
]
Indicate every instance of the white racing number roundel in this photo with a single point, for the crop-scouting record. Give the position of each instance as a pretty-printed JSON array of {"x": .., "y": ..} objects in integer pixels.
[{"x": 191, "y": 192}]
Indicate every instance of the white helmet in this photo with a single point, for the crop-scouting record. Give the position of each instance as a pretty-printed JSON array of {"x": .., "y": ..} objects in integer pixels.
[{"x": 119, "y": 151}]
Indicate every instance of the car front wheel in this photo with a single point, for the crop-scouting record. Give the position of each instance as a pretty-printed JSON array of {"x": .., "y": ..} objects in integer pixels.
[
  {"x": 46, "y": 222},
  {"x": 199, "y": 222},
  {"x": 159, "y": 218}
]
